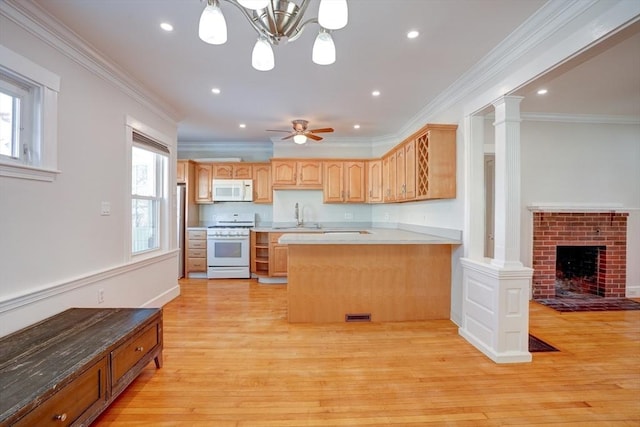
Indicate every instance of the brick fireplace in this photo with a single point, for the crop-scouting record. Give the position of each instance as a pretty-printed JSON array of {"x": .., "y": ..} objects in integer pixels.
[{"x": 606, "y": 231}]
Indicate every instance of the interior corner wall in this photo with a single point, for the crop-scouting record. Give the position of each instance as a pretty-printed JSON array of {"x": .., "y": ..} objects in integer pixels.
[
  {"x": 583, "y": 164},
  {"x": 56, "y": 245}
]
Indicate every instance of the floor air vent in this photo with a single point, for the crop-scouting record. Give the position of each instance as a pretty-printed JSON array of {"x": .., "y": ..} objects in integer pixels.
[{"x": 362, "y": 317}]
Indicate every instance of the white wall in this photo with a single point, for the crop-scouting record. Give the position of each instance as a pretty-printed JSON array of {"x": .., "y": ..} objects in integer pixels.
[{"x": 56, "y": 249}]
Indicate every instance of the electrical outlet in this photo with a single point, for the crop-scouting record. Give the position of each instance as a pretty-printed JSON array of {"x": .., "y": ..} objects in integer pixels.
[
  {"x": 100, "y": 296},
  {"x": 348, "y": 215}
]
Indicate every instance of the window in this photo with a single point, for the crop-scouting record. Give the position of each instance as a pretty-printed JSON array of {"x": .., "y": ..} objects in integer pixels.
[
  {"x": 28, "y": 118},
  {"x": 149, "y": 177}
]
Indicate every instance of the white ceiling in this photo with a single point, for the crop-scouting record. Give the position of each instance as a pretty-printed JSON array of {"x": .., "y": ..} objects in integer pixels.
[{"x": 372, "y": 53}]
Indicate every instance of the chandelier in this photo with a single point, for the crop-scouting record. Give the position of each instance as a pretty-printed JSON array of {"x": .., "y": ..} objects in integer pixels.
[{"x": 276, "y": 22}]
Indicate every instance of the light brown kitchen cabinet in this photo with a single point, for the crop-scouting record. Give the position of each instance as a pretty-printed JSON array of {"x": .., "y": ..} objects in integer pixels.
[
  {"x": 344, "y": 181},
  {"x": 374, "y": 181},
  {"x": 196, "y": 252},
  {"x": 296, "y": 174},
  {"x": 181, "y": 171},
  {"x": 436, "y": 162},
  {"x": 262, "y": 191},
  {"x": 232, "y": 170},
  {"x": 203, "y": 183},
  {"x": 389, "y": 176},
  {"x": 278, "y": 256},
  {"x": 400, "y": 176},
  {"x": 410, "y": 170},
  {"x": 259, "y": 253}
]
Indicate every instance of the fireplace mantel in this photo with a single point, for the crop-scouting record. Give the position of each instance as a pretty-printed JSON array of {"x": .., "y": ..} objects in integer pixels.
[{"x": 577, "y": 207}]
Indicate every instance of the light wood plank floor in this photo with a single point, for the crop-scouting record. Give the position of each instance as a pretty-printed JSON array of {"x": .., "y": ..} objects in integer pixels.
[{"x": 232, "y": 359}]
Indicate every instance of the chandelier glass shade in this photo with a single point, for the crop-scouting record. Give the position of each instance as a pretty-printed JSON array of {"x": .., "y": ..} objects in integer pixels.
[{"x": 276, "y": 22}]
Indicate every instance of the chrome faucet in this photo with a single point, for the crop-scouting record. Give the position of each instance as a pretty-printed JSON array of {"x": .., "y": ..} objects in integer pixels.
[{"x": 299, "y": 218}]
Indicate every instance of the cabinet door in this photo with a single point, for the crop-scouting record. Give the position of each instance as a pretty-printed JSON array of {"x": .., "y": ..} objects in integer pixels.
[
  {"x": 262, "y": 192},
  {"x": 222, "y": 171},
  {"x": 441, "y": 160},
  {"x": 309, "y": 174},
  {"x": 181, "y": 171},
  {"x": 400, "y": 177},
  {"x": 242, "y": 171},
  {"x": 203, "y": 184},
  {"x": 283, "y": 172},
  {"x": 278, "y": 259},
  {"x": 333, "y": 190},
  {"x": 410, "y": 170},
  {"x": 374, "y": 181},
  {"x": 354, "y": 174},
  {"x": 391, "y": 179}
]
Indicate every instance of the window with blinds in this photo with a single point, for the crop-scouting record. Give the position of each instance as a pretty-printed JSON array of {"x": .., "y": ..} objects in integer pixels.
[{"x": 149, "y": 161}]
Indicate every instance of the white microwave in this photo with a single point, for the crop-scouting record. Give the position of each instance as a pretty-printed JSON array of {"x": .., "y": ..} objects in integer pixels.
[{"x": 232, "y": 190}]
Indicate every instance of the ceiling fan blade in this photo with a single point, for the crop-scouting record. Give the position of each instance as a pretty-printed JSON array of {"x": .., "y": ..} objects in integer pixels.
[
  {"x": 277, "y": 130},
  {"x": 289, "y": 136},
  {"x": 321, "y": 130},
  {"x": 314, "y": 137}
]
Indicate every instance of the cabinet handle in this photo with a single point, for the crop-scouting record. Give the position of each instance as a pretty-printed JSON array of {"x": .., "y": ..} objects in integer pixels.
[
  {"x": 140, "y": 348},
  {"x": 60, "y": 417}
]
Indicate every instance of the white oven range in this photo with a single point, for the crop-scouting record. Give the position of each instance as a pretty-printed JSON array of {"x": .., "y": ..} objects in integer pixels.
[{"x": 228, "y": 246}]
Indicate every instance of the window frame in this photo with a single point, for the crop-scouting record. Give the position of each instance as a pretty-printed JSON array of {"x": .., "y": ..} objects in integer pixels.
[
  {"x": 41, "y": 115},
  {"x": 159, "y": 145}
]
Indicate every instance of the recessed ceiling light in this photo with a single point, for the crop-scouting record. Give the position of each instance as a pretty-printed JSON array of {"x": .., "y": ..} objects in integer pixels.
[
  {"x": 216, "y": 91},
  {"x": 242, "y": 125},
  {"x": 542, "y": 91},
  {"x": 356, "y": 126},
  {"x": 412, "y": 34},
  {"x": 375, "y": 93},
  {"x": 166, "y": 26}
]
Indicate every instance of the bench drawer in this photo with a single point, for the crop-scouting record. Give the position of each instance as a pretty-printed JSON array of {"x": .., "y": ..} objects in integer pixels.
[
  {"x": 131, "y": 352},
  {"x": 71, "y": 401}
]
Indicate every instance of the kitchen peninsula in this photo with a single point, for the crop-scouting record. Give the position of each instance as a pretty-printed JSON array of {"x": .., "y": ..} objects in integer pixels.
[{"x": 378, "y": 275}]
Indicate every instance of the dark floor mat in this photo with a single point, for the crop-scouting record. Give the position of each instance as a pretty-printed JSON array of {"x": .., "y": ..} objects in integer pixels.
[
  {"x": 536, "y": 345},
  {"x": 590, "y": 304}
]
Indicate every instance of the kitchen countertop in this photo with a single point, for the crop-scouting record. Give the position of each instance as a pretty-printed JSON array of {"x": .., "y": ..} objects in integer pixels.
[{"x": 369, "y": 236}]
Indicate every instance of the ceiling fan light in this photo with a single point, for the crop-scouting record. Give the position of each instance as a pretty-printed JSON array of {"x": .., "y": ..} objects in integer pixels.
[
  {"x": 254, "y": 4},
  {"x": 299, "y": 139},
  {"x": 324, "y": 50},
  {"x": 262, "y": 58},
  {"x": 333, "y": 14},
  {"x": 213, "y": 27}
]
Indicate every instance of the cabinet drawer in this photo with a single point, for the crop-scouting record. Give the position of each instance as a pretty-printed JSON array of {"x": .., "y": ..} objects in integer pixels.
[
  {"x": 196, "y": 264},
  {"x": 197, "y": 244},
  {"x": 70, "y": 402},
  {"x": 128, "y": 354},
  {"x": 197, "y": 234},
  {"x": 197, "y": 253}
]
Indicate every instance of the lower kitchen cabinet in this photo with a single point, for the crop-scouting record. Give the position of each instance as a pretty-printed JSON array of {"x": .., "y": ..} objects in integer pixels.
[
  {"x": 260, "y": 253},
  {"x": 278, "y": 254},
  {"x": 196, "y": 252}
]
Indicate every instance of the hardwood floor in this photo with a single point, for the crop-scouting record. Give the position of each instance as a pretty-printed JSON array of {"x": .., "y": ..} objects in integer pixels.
[{"x": 232, "y": 359}]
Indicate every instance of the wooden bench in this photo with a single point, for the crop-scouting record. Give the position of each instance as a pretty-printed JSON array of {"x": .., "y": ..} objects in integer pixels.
[{"x": 67, "y": 369}]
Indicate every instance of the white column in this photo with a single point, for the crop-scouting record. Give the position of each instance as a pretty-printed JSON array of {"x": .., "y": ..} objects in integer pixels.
[{"x": 507, "y": 181}]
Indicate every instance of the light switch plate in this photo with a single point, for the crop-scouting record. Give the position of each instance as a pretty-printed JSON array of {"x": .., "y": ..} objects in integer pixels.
[{"x": 105, "y": 208}]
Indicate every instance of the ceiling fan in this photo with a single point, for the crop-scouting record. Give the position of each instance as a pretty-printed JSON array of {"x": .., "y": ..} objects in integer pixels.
[{"x": 301, "y": 133}]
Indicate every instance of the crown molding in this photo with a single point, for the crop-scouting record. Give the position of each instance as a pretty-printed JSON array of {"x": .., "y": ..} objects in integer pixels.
[
  {"x": 575, "y": 118},
  {"x": 32, "y": 18}
]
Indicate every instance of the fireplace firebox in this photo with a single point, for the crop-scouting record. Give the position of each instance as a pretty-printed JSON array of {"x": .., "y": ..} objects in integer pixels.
[
  {"x": 604, "y": 232},
  {"x": 577, "y": 270}
]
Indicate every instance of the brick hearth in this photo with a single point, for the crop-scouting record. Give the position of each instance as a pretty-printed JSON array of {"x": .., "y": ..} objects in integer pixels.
[{"x": 552, "y": 229}]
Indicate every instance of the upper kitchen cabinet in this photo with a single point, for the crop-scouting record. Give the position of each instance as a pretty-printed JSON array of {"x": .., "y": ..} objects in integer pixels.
[
  {"x": 181, "y": 171},
  {"x": 436, "y": 162},
  {"x": 203, "y": 183},
  {"x": 232, "y": 170},
  {"x": 344, "y": 181},
  {"x": 262, "y": 192},
  {"x": 389, "y": 177},
  {"x": 296, "y": 174},
  {"x": 374, "y": 181}
]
